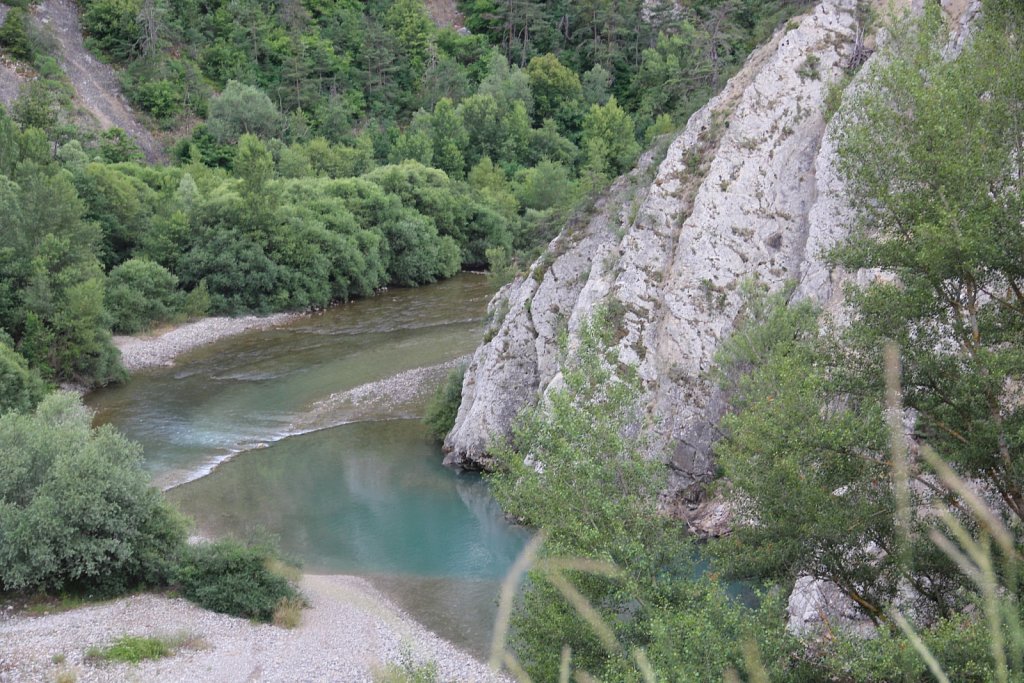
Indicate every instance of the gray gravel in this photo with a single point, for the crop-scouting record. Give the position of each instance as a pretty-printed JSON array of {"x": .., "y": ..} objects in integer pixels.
[
  {"x": 350, "y": 630},
  {"x": 144, "y": 351}
]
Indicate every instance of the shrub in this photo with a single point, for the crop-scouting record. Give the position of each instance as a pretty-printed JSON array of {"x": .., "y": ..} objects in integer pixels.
[
  {"x": 232, "y": 578},
  {"x": 243, "y": 109},
  {"x": 141, "y": 293},
  {"x": 444, "y": 406},
  {"x": 407, "y": 670},
  {"x": 288, "y": 612},
  {"x": 20, "y": 387},
  {"x": 161, "y": 98},
  {"x": 116, "y": 146},
  {"x": 131, "y": 649},
  {"x": 112, "y": 26},
  {"x": 76, "y": 508}
]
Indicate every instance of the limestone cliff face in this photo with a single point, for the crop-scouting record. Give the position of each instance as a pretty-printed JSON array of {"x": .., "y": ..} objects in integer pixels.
[
  {"x": 748, "y": 189},
  {"x": 669, "y": 246}
]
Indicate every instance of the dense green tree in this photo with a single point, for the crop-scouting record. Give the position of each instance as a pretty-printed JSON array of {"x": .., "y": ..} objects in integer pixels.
[
  {"x": 113, "y": 27},
  {"x": 141, "y": 293},
  {"x": 120, "y": 204},
  {"x": 595, "y": 85},
  {"x": 449, "y": 138},
  {"x": 931, "y": 150},
  {"x": 410, "y": 24},
  {"x": 242, "y": 109},
  {"x": 482, "y": 121},
  {"x": 76, "y": 508},
  {"x": 14, "y": 37},
  {"x": 117, "y": 146},
  {"x": 546, "y": 185},
  {"x": 557, "y": 91},
  {"x": 39, "y": 104},
  {"x": 21, "y": 388},
  {"x": 609, "y": 138},
  {"x": 576, "y": 469},
  {"x": 59, "y": 281},
  {"x": 507, "y": 84}
]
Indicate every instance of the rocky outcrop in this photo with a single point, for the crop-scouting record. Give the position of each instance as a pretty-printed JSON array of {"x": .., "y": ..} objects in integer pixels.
[
  {"x": 817, "y": 606},
  {"x": 668, "y": 248},
  {"x": 749, "y": 189}
]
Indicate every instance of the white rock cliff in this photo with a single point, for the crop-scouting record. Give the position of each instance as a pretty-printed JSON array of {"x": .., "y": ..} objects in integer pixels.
[{"x": 749, "y": 189}]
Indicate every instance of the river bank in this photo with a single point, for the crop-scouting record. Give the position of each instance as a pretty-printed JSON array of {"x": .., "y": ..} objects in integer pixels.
[
  {"x": 349, "y": 631},
  {"x": 151, "y": 350}
]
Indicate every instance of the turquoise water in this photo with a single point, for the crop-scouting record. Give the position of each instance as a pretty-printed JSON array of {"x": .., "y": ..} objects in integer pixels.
[
  {"x": 310, "y": 432},
  {"x": 369, "y": 497}
]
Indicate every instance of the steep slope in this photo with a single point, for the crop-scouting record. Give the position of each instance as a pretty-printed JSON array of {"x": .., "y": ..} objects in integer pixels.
[
  {"x": 730, "y": 200},
  {"x": 96, "y": 85},
  {"x": 10, "y": 79},
  {"x": 749, "y": 189}
]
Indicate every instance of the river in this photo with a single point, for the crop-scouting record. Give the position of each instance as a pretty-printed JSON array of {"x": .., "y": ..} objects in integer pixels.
[{"x": 310, "y": 432}]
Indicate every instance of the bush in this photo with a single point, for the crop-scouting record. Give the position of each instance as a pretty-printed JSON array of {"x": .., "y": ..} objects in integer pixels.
[
  {"x": 141, "y": 293},
  {"x": 116, "y": 146},
  {"x": 234, "y": 579},
  {"x": 20, "y": 387},
  {"x": 243, "y": 109},
  {"x": 76, "y": 508},
  {"x": 444, "y": 406},
  {"x": 161, "y": 98},
  {"x": 112, "y": 26}
]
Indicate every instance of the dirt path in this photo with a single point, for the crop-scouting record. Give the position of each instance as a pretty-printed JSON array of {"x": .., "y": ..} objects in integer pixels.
[
  {"x": 10, "y": 79},
  {"x": 96, "y": 86}
]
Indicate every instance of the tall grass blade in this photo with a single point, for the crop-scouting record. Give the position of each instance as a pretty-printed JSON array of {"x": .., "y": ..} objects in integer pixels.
[{"x": 519, "y": 568}]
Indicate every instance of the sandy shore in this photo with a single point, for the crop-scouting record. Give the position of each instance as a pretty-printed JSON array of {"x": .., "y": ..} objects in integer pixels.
[
  {"x": 144, "y": 351},
  {"x": 350, "y": 630}
]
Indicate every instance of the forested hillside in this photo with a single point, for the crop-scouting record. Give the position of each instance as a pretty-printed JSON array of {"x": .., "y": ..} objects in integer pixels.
[{"x": 323, "y": 150}]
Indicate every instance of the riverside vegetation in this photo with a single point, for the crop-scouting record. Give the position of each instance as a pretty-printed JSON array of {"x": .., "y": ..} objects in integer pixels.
[
  {"x": 79, "y": 517},
  {"x": 352, "y": 146},
  {"x": 882, "y": 454},
  {"x": 320, "y": 152}
]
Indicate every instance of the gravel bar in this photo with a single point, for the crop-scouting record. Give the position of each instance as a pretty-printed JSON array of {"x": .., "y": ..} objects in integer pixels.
[
  {"x": 145, "y": 351},
  {"x": 350, "y": 630}
]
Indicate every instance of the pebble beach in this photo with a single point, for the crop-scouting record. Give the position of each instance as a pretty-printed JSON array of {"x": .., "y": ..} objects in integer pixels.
[{"x": 349, "y": 633}]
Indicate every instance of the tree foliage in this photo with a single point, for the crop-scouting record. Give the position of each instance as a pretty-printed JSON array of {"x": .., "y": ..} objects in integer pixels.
[
  {"x": 76, "y": 509},
  {"x": 933, "y": 159}
]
